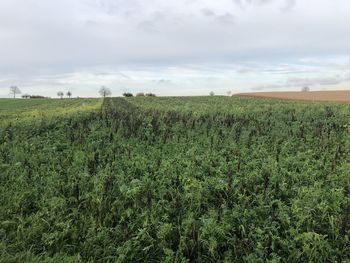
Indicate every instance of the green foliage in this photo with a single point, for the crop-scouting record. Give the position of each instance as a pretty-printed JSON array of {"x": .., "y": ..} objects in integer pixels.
[
  {"x": 15, "y": 110},
  {"x": 202, "y": 179}
]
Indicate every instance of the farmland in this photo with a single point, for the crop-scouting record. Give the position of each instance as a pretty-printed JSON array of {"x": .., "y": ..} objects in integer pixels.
[
  {"x": 36, "y": 109},
  {"x": 335, "y": 96},
  {"x": 196, "y": 179}
]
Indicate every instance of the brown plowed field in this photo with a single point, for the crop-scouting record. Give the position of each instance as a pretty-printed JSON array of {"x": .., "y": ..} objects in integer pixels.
[{"x": 338, "y": 95}]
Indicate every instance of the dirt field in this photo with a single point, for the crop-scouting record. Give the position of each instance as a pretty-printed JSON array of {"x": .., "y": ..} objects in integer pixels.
[{"x": 339, "y": 95}]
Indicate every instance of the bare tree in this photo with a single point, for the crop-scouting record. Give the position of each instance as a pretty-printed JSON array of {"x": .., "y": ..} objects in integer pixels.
[
  {"x": 105, "y": 92},
  {"x": 15, "y": 90},
  {"x": 60, "y": 94},
  {"x": 69, "y": 94},
  {"x": 305, "y": 89},
  {"x": 212, "y": 93}
]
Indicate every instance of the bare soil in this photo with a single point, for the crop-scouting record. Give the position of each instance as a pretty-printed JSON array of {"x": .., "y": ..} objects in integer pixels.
[{"x": 337, "y": 95}]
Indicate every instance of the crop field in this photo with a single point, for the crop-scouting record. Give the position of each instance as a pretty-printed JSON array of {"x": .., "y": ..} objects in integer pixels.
[
  {"x": 21, "y": 110},
  {"x": 337, "y": 95},
  {"x": 195, "y": 179}
]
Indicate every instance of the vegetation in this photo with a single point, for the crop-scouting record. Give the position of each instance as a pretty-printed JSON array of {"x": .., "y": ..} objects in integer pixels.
[
  {"x": 128, "y": 94},
  {"x": 60, "y": 94},
  {"x": 202, "y": 179},
  {"x": 14, "y": 90},
  {"x": 305, "y": 89},
  {"x": 19, "y": 110},
  {"x": 105, "y": 92},
  {"x": 27, "y": 96}
]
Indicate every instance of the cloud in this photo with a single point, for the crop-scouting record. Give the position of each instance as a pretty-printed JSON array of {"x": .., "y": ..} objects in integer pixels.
[
  {"x": 322, "y": 81},
  {"x": 297, "y": 82},
  {"x": 208, "y": 12},
  {"x": 347, "y": 77},
  {"x": 163, "y": 81},
  {"x": 226, "y": 18},
  {"x": 290, "y": 5},
  {"x": 84, "y": 42},
  {"x": 148, "y": 26},
  {"x": 115, "y": 6},
  {"x": 239, "y": 3}
]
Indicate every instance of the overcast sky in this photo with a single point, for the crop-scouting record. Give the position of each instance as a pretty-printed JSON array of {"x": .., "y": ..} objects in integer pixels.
[{"x": 182, "y": 47}]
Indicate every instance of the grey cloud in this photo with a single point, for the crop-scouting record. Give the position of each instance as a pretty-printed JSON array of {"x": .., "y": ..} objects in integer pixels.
[
  {"x": 259, "y": 2},
  {"x": 296, "y": 82},
  {"x": 268, "y": 87},
  {"x": 208, "y": 12},
  {"x": 242, "y": 3},
  {"x": 115, "y": 6},
  {"x": 245, "y": 71},
  {"x": 163, "y": 81},
  {"x": 238, "y": 3},
  {"x": 148, "y": 26},
  {"x": 91, "y": 23},
  {"x": 289, "y": 5},
  {"x": 119, "y": 74},
  {"x": 227, "y": 18},
  {"x": 125, "y": 75},
  {"x": 334, "y": 80}
]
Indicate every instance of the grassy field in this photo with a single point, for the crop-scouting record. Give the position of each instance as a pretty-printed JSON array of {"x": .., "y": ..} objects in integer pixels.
[
  {"x": 196, "y": 179},
  {"x": 14, "y": 110},
  {"x": 231, "y": 105}
]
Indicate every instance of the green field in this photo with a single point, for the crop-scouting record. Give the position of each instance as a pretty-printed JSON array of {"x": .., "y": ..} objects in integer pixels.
[
  {"x": 14, "y": 110},
  {"x": 196, "y": 179}
]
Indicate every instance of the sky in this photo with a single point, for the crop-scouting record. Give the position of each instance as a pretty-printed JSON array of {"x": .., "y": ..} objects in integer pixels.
[{"x": 173, "y": 48}]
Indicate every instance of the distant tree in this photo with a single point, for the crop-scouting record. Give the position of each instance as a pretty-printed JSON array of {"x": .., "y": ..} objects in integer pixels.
[
  {"x": 305, "y": 89},
  {"x": 26, "y": 96},
  {"x": 140, "y": 94},
  {"x": 60, "y": 94},
  {"x": 212, "y": 93},
  {"x": 36, "y": 97},
  {"x": 69, "y": 94},
  {"x": 127, "y": 94},
  {"x": 229, "y": 93},
  {"x": 105, "y": 92},
  {"x": 150, "y": 95},
  {"x": 15, "y": 90}
]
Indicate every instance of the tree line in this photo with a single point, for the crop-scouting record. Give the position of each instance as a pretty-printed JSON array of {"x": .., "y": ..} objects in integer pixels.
[{"x": 103, "y": 91}]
